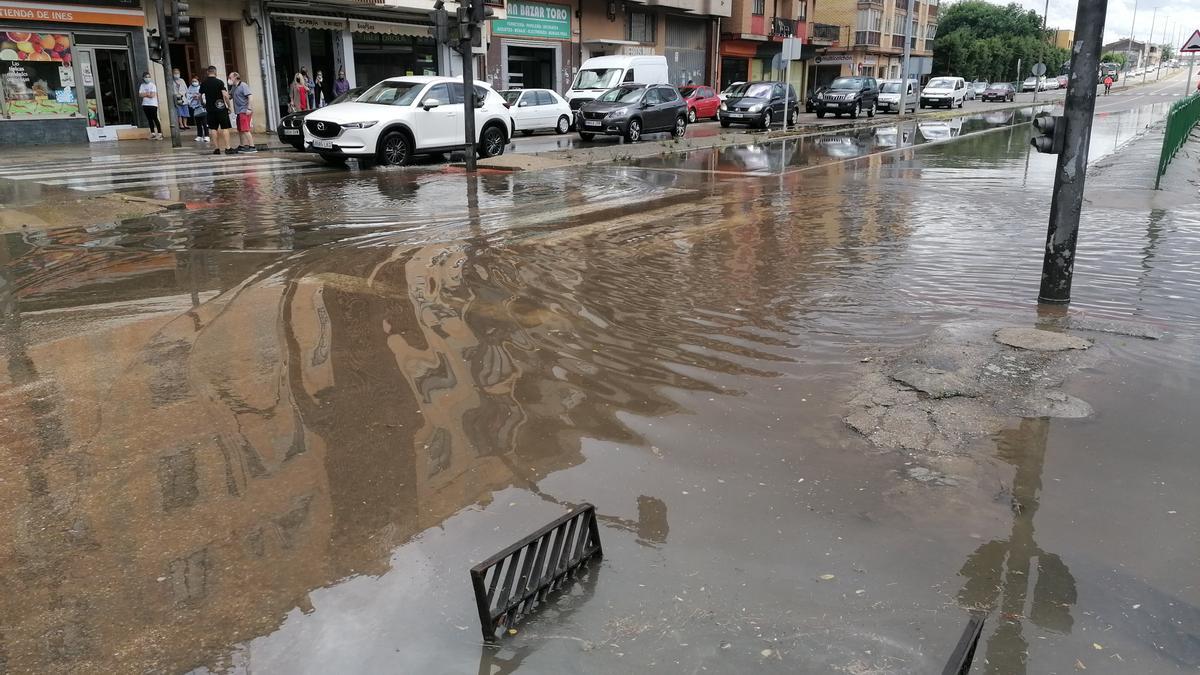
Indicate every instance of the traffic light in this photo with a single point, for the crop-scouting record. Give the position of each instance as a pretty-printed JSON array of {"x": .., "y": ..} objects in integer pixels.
[
  {"x": 180, "y": 20},
  {"x": 1050, "y": 134},
  {"x": 154, "y": 43},
  {"x": 441, "y": 23},
  {"x": 480, "y": 12}
]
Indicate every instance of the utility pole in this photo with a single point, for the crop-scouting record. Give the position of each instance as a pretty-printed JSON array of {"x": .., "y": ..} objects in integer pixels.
[
  {"x": 1129, "y": 45},
  {"x": 1153, "y": 19},
  {"x": 908, "y": 22},
  {"x": 172, "y": 109},
  {"x": 1058, "y": 265}
]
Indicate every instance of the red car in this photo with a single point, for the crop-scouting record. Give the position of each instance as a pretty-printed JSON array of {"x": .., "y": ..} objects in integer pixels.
[{"x": 702, "y": 101}]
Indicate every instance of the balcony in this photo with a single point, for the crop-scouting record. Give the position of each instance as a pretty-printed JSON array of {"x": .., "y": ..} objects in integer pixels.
[
  {"x": 826, "y": 32},
  {"x": 870, "y": 4},
  {"x": 783, "y": 27},
  {"x": 866, "y": 38}
]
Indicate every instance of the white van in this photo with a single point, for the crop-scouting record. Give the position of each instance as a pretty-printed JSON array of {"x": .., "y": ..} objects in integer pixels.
[
  {"x": 601, "y": 73},
  {"x": 944, "y": 91}
]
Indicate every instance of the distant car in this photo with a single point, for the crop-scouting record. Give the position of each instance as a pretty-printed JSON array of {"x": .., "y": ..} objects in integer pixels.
[
  {"x": 291, "y": 127},
  {"x": 1030, "y": 84},
  {"x": 978, "y": 87},
  {"x": 537, "y": 110},
  {"x": 999, "y": 91},
  {"x": 849, "y": 95},
  {"x": 889, "y": 96},
  {"x": 725, "y": 94},
  {"x": 631, "y": 110},
  {"x": 760, "y": 104},
  {"x": 947, "y": 91},
  {"x": 701, "y": 101},
  {"x": 1047, "y": 83}
]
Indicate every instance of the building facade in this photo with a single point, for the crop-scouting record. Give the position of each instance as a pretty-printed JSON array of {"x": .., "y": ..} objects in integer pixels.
[
  {"x": 870, "y": 39},
  {"x": 752, "y": 40}
]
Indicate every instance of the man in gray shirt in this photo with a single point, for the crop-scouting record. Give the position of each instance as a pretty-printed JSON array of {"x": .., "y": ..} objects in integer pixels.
[{"x": 240, "y": 93}]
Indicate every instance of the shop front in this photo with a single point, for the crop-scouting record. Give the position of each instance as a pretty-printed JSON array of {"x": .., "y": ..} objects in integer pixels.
[
  {"x": 749, "y": 60},
  {"x": 68, "y": 70},
  {"x": 532, "y": 47}
]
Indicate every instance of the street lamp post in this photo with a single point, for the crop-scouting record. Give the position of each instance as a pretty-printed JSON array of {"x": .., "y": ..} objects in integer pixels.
[
  {"x": 1129, "y": 45},
  {"x": 1153, "y": 19}
]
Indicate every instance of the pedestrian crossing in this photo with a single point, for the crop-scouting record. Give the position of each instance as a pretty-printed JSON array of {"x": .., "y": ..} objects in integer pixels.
[{"x": 114, "y": 173}]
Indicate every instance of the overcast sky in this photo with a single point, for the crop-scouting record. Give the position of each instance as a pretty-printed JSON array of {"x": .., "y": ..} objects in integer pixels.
[{"x": 1177, "y": 17}]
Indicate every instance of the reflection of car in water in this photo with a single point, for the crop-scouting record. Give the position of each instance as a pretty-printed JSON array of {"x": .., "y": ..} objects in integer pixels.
[
  {"x": 845, "y": 146},
  {"x": 764, "y": 157},
  {"x": 887, "y": 137},
  {"x": 940, "y": 130},
  {"x": 998, "y": 117}
]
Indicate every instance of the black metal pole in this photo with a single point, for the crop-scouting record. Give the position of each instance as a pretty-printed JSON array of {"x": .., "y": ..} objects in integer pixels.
[
  {"x": 468, "y": 69},
  {"x": 172, "y": 113},
  {"x": 1080, "y": 105}
]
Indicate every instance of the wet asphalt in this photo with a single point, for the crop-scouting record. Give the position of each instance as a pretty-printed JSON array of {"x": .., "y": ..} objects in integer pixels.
[{"x": 271, "y": 432}]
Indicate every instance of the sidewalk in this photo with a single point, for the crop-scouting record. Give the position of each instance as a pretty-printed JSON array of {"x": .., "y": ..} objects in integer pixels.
[{"x": 1125, "y": 179}]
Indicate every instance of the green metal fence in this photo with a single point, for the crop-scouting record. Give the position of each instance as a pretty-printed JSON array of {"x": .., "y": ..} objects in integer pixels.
[{"x": 1182, "y": 118}]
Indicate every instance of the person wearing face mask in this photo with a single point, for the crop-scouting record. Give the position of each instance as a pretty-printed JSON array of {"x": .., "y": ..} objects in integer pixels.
[
  {"x": 181, "y": 107},
  {"x": 298, "y": 94},
  {"x": 239, "y": 92},
  {"x": 199, "y": 114},
  {"x": 319, "y": 91},
  {"x": 216, "y": 102},
  {"x": 149, "y": 94},
  {"x": 308, "y": 84}
]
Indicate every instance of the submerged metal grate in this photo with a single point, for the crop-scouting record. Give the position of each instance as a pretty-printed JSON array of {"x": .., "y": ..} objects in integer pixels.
[
  {"x": 516, "y": 580},
  {"x": 964, "y": 651}
]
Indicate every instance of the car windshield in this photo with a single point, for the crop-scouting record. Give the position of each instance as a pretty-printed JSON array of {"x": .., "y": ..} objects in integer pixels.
[
  {"x": 891, "y": 88},
  {"x": 511, "y": 96},
  {"x": 349, "y": 96},
  {"x": 597, "y": 78},
  {"x": 854, "y": 83},
  {"x": 751, "y": 90},
  {"x": 392, "y": 93},
  {"x": 941, "y": 83},
  {"x": 622, "y": 95}
]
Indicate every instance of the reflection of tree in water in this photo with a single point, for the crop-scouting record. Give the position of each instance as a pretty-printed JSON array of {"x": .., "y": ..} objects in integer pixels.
[{"x": 998, "y": 573}]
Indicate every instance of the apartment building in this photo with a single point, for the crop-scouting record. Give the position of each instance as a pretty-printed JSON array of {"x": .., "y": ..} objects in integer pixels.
[{"x": 870, "y": 38}]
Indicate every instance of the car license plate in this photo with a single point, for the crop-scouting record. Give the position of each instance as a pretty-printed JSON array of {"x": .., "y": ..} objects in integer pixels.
[
  {"x": 829, "y": 104},
  {"x": 320, "y": 143},
  {"x": 291, "y": 132},
  {"x": 591, "y": 123}
]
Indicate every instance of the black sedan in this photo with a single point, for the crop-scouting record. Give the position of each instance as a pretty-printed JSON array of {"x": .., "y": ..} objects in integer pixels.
[
  {"x": 291, "y": 127},
  {"x": 999, "y": 91}
]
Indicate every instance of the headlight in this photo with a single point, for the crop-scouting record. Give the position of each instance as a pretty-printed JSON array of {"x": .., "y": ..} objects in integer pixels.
[
  {"x": 723, "y": 106},
  {"x": 757, "y": 107},
  {"x": 359, "y": 125}
]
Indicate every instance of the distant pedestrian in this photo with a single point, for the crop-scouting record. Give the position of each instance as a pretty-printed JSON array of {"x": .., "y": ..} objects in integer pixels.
[
  {"x": 298, "y": 94},
  {"x": 182, "y": 109},
  {"x": 1107, "y": 84},
  {"x": 341, "y": 85},
  {"x": 239, "y": 92},
  {"x": 216, "y": 104},
  {"x": 199, "y": 114},
  {"x": 319, "y": 91},
  {"x": 148, "y": 92},
  {"x": 308, "y": 87}
]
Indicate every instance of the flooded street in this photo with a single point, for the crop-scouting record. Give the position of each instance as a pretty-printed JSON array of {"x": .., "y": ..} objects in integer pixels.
[{"x": 270, "y": 433}]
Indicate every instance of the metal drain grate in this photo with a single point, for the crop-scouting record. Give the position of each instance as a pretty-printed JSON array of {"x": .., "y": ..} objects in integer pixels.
[{"x": 510, "y": 584}]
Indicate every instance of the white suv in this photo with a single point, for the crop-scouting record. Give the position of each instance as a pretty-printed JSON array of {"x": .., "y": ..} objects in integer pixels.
[{"x": 406, "y": 116}]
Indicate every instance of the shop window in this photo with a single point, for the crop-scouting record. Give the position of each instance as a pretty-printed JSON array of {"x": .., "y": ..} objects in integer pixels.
[
  {"x": 641, "y": 27},
  {"x": 37, "y": 75},
  {"x": 759, "y": 8},
  {"x": 230, "y": 48}
]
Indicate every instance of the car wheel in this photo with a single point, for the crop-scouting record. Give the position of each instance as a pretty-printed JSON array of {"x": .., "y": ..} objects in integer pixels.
[
  {"x": 633, "y": 133},
  {"x": 564, "y": 125},
  {"x": 691, "y": 118},
  {"x": 765, "y": 122},
  {"x": 922, "y": 106},
  {"x": 586, "y": 136},
  {"x": 334, "y": 160},
  {"x": 793, "y": 117},
  {"x": 725, "y": 123},
  {"x": 855, "y": 111},
  {"x": 960, "y": 103},
  {"x": 871, "y": 111},
  {"x": 527, "y": 132},
  {"x": 681, "y": 126},
  {"x": 820, "y": 114},
  {"x": 491, "y": 142},
  {"x": 396, "y": 150}
]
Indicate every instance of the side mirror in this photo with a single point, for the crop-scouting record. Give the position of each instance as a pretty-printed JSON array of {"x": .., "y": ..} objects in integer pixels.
[
  {"x": 522, "y": 104},
  {"x": 430, "y": 103}
]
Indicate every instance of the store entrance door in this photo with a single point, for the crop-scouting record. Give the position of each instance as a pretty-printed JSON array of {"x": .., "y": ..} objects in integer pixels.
[
  {"x": 107, "y": 86},
  {"x": 531, "y": 67}
]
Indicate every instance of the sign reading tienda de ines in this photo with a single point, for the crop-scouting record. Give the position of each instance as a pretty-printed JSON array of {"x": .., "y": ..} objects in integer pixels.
[{"x": 535, "y": 19}]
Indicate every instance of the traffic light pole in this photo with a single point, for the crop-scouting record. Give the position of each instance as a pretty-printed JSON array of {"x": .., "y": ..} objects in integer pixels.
[
  {"x": 1058, "y": 265},
  {"x": 172, "y": 109},
  {"x": 468, "y": 71}
]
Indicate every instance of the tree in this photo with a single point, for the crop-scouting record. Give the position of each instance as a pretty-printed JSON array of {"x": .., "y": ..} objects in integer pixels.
[
  {"x": 1168, "y": 52},
  {"x": 1113, "y": 57},
  {"x": 979, "y": 40}
]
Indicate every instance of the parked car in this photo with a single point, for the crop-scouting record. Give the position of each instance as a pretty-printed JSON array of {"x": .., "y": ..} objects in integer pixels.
[
  {"x": 1048, "y": 83},
  {"x": 701, "y": 101},
  {"x": 402, "y": 117},
  {"x": 760, "y": 104},
  {"x": 849, "y": 95},
  {"x": 944, "y": 91},
  {"x": 725, "y": 94},
  {"x": 601, "y": 73},
  {"x": 969, "y": 93},
  {"x": 978, "y": 87},
  {"x": 889, "y": 96},
  {"x": 810, "y": 102},
  {"x": 631, "y": 110},
  {"x": 538, "y": 110},
  {"x": 1031, "y": 84},
  {"x": 1000, "y": 91},
  {"x": 291, "y": 127}
]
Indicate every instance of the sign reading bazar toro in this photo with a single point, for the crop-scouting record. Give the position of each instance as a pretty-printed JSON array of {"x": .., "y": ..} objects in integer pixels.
[{"x": 535, "y": 19}]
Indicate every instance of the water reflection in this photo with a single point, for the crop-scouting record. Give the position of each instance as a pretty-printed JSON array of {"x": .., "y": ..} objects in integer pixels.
[{"x": 999, "y": 573}]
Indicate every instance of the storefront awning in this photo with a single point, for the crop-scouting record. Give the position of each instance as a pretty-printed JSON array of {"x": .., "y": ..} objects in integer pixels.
[
  {"x": 388, "y": 28},
  {"x": 309, "y": 21}
]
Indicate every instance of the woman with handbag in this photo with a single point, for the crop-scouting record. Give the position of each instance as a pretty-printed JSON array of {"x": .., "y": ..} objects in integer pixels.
[{"x": 298, "y": 94}]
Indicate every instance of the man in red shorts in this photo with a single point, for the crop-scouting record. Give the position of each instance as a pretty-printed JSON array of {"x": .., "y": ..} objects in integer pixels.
[{"x": 239, "y": 92}]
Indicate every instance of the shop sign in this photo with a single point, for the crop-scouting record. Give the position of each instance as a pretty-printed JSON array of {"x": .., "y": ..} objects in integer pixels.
[
  {"x": 36, "y": 75},
  {"x": 388, "y": 28},
  {"x": 635, "y": 50},
  {"x": 826, "y": 59},
  {"x": 869, "y": 61},
  {"x": 535, "y": 19},
  {"x": 55, "y": 13},
  {"x": 308, "y": 22}
]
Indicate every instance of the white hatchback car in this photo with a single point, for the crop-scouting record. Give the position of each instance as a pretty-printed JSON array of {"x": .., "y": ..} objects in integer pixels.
[
  {"x": 537, "y": 109},
  {"x": 402, "y": 117}
]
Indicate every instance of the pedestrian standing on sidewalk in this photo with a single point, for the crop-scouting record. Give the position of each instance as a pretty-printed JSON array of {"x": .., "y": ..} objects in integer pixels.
[
  {"x": 199, "y": 114},
  {"x": 182, "y": 109},
  {"x": 341, "y": 85},
  {"x": 216, "y": 104},
  {"x": 319, "y": 91},
  {"x": 240, "y": 93},
  {"x": 298, "y": 94},
  {"x": 149, "y": 94},
  {"x": 308, "y": 86}
]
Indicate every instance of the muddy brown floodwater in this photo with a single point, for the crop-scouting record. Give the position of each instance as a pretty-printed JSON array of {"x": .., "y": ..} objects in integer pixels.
[{"x": 275, "y": 441}]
